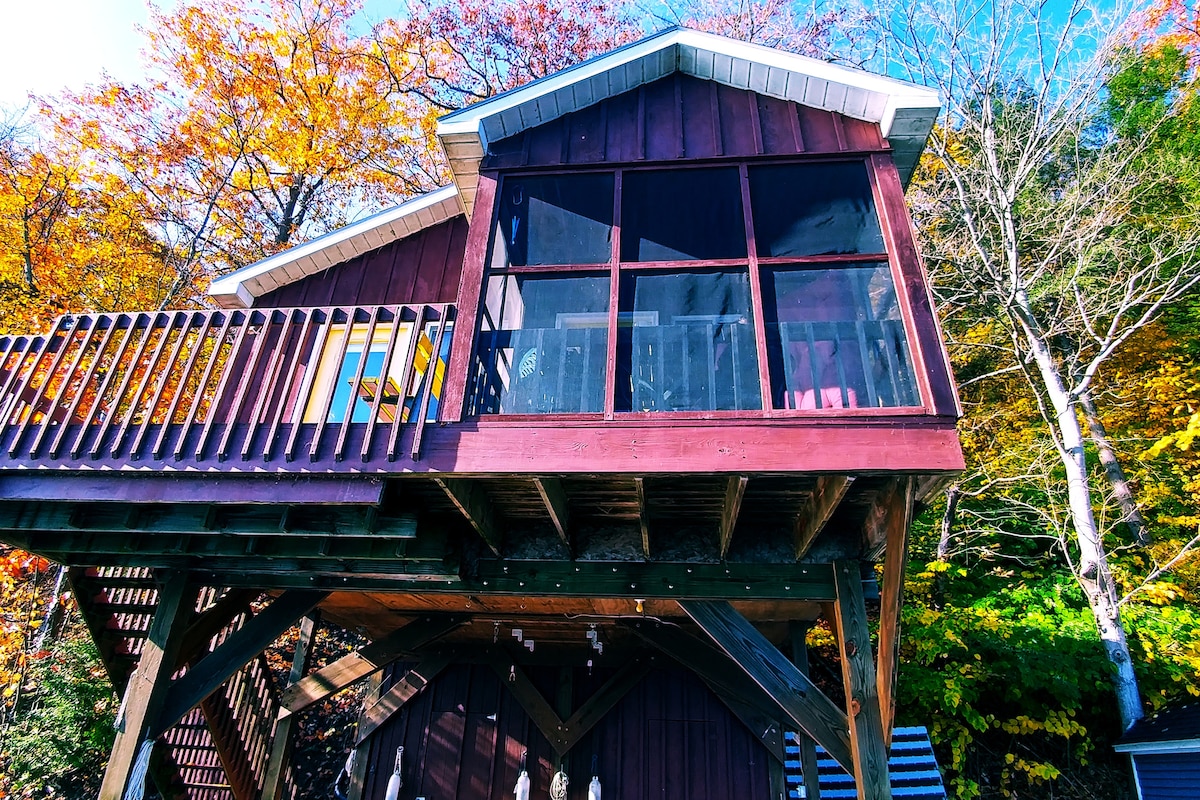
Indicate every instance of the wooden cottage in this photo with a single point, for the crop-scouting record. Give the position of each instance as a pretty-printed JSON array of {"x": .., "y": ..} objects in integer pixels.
[{"x": 583, "y": 443}]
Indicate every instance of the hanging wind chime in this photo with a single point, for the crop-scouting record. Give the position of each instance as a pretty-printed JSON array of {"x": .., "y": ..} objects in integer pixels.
[
  {"x": 522, "y": 787},
  {"x": 397, "y": 780},
  {"x": 594, "y": 786}
]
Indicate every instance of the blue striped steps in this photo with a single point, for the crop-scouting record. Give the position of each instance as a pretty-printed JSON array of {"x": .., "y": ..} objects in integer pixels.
[{"x": 911, "y": 765}]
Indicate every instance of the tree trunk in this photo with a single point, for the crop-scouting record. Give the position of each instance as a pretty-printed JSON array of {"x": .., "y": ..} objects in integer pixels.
[
  {"x": 1112, "y": 470},
  {"x": 52, "y": 618},
  {"x": 1092, "y": 570}
]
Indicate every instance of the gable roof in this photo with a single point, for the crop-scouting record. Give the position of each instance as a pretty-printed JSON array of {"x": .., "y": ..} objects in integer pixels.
[
  {"x": 1172, "y": 729},
  {"x": 238, "y": 289},
  {"x": 904, "y": 111}
]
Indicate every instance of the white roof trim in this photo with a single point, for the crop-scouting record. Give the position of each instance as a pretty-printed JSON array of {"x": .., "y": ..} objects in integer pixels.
[
  {"x": 239, "y": 289},
  {"x": 1173, "y": 746},
  {"x": 904, "y": 111}
]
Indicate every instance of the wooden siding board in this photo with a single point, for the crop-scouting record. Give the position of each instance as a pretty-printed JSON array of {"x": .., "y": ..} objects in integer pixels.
[{"x": 394, "y": 274}]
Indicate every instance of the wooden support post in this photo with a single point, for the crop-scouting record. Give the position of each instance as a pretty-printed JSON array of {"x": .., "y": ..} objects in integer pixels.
[
  {"x": 803, "y": 702},
  {"x": 148, "y": 685},
  {"x": 735, "y": 490},
  {"x": 211, "y": 621},
  {"x": 867, "y": 748},
  {"x": 234, "y": 653},
  {"x": 555, "y": 499},
  {"x": 808, "y": 748},
  {"x": 334, "y": 677},
  {"x": 277, "y": 763},
  {"x": 891, "y": 598},
  {"x": 827, "y": 495},
  {"x": 470, "y": 498},
  {"x": 361, "y": 760}
]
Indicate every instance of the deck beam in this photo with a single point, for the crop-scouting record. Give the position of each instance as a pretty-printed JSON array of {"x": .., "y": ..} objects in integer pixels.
[{"x": 826, "y": 496}]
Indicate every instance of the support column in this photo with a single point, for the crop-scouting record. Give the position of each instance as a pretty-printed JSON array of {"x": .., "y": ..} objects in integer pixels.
[
  {"x": 281, "y": 745},
  {"x": 808, "y": 748},
  {"x": 147, "y": 689},
  {"x": 867, "y": 749}
]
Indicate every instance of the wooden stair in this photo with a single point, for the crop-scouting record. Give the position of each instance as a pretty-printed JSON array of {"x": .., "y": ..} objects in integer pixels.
[{"x": 218, "y": 751}]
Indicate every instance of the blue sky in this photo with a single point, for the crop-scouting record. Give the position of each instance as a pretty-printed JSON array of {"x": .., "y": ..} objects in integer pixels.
[{"x": 46, "y": 45}]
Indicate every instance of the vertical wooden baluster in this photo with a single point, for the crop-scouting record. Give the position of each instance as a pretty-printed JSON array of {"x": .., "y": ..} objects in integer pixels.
[
  {"x": 65, "y": 387},
  {"x": 372, "y": 423},
  {"x": 57, "y": 333},
  {"x": 247, "y": 377},
  {"x": 317, "y": 355},
  {"x": 351, "y": 318},
  {"x": 181, "y": 389},
  {"x": 222, "y": 382},
  {"x": 136, "y": 398},
  {"x": 430, "y": 378},
  {"x": 339, "y": 449},
  {"x": 288, "y": 379},
  {"x": 406, "y": 374},
  {"x": 164, "y": 379},
  {"x": 126, "y": 378}
]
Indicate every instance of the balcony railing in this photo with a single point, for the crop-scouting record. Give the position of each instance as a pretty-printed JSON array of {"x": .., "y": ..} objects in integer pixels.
[{"x": 193, "y": 386}]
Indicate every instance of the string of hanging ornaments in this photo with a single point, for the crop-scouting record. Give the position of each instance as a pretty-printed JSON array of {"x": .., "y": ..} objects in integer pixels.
[{"x": 558, "y": 785}]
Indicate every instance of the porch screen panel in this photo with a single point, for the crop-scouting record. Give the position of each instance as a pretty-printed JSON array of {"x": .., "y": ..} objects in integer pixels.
[
  {"x": 685, "y": 342},
  {"x": 813, "y": 210},
  {"x": 542, "y": 345},
  {"x": 559, "y": 219},
  {"x": 835, "y": 339}
]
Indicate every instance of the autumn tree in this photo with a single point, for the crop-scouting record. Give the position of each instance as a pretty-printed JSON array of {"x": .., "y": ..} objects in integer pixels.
[{"x": 1039, "y": 224}]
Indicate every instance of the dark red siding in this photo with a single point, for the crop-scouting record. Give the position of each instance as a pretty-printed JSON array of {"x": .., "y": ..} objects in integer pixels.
[
  {"x": 422, "y": 268},
  {"x": 681, "y": 117},
  {"x": 669, "y": 737}
]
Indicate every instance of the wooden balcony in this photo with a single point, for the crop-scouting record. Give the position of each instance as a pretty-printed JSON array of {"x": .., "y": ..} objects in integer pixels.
[{"x": 233, "y": 388}]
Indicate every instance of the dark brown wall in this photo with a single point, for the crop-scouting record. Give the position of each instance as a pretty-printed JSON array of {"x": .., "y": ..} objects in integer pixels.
[
  {"x": 669, "y": 737},
  {"x": 681, "y": 117},
  {"x": 422, "y": 268}
]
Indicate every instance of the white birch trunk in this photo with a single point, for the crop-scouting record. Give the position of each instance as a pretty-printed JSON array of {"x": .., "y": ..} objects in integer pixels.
[{"x": 1092, "y": 570}]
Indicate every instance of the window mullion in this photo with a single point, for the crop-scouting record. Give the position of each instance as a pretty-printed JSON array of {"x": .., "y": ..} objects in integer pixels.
[
  {"x": 614, "y": 297},
  {"x": 756, "y": 298}
]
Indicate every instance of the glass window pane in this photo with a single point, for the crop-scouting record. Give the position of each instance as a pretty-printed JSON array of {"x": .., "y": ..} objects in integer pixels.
[
  {"x": 813, "y": 209},
  {"x": 835, "y": 339},
  {"x": 558, "y": 219},
  {"x": 542, "y": 345},
  {"x": 682, "y": 215},
  {"x": 685, "y": 342}
]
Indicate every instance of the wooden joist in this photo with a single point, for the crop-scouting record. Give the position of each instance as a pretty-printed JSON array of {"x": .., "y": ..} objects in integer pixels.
[
  {"x": 643, "y": 516},
  {"x": 735, "y": 490},
  {"x": 348, "y": 669},
  {"x": 805, "y": 704},
  {"x": 470, "y": 498},
  {"x": 555, "y": 499},
  {"x": 827, "y": 495}
]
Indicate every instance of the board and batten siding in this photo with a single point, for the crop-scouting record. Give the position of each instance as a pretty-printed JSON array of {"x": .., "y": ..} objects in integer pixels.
[
  {"x": 422, "y": 268},
  {"x": 681, "y": 117},
  {"x": 668, "y": 737}
]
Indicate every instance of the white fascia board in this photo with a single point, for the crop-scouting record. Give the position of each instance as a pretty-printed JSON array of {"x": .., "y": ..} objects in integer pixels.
[
  {"x": 238, "y": 289},
  {"x": 1174, "y": 746}
]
